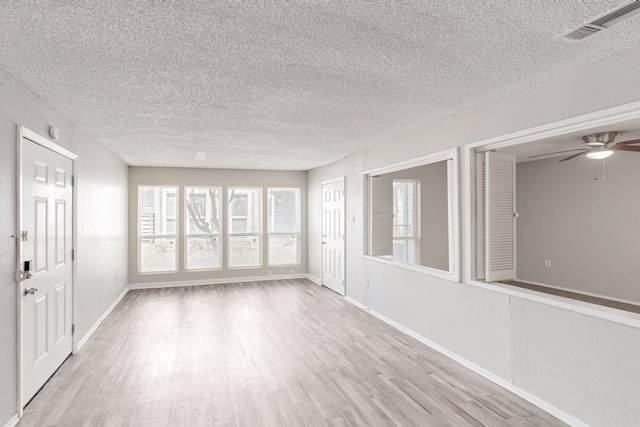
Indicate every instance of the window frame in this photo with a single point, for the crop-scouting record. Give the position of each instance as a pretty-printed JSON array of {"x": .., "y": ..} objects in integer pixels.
[
  {"x": 297, "y": 233},
  {"x": 219, "y": 235},
  {"x": 453, "y": 190},
  {"x": 142, "y": 203}
]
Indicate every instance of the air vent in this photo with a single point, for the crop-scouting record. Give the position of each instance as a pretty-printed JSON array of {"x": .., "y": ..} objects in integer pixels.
[{"x": 606, "y": 20}]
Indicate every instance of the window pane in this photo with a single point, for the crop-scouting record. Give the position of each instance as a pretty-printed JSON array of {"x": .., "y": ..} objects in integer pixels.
[
  {"x": 283, "y": 219},
  {"x": 403, "y": 251},
  {"x": 283, "y": 210},
  {"x": 283, "y": 250},
  {"x": 157, "y": 255},
  {"x": 157, "y": 228},
  {"x": 203, "y": 253},
  {"x": 157, "y": 211},
  {"x": 202, "y": 210},
  {"x": 244, "y": 251},
  {"x": 245, "y": 210},
  {"x": 403, "y": 209}
]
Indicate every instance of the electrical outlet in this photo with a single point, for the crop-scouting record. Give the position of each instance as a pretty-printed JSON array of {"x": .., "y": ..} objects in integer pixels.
[
  {"x": 292, "y": 271},
  {"x": 547, "y": 263},
  {"x": 365, "y": 282},
  {"x": 269, "y": 273}
]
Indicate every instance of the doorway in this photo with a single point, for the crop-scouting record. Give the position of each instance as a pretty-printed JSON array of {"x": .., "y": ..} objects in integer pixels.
[
  {"x": 333, "y": 235},
  {"x": 45, "y": 256}
]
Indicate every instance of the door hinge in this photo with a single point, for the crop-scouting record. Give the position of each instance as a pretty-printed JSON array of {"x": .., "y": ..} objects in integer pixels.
[
  {"x": 73, "y": 254},
  {"x": 73, "y": 329},
  {"x": 23, "y": 235},
  {"x": 73, "y": 180}
]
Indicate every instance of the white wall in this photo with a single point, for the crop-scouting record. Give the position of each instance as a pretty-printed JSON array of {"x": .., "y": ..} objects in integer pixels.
[
  {"x": 585, "y": 227},
  {"x": 582, "y": 365},
  {"x": 101, "y": 225},
  {"x": 215, "y": 177}
]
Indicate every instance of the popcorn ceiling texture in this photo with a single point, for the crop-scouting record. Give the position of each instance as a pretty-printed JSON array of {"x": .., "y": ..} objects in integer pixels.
[{"x": 285, "y": 85}]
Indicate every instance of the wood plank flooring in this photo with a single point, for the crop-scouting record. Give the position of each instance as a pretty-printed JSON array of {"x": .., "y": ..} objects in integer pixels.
[{"x": 264, "y": 354}]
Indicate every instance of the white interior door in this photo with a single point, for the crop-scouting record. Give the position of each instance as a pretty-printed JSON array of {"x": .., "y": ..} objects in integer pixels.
[
  {"x": 46, "y": 241},
  {"x": 333, "y": 224}
]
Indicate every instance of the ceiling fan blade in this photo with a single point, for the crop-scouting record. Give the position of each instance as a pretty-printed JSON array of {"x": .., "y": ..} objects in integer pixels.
[
  {"x": 557, "y": 152},
  {"x": 633, "y": 141},
  {"x": 574, "y": 156},
  {"x": 626, "y": 148}
]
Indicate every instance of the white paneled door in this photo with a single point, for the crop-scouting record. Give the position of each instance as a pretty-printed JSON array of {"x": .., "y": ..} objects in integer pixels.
[
  {"x": 333, "y": 232},
  {"x": 46, "y": 241}
]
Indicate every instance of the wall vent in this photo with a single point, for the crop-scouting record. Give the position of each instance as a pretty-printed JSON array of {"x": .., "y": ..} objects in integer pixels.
[{"x": 625, "y": 11}]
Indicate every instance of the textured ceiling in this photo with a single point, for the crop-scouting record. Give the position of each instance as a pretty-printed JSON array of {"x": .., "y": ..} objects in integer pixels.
[{"x": 284, "y": 85}]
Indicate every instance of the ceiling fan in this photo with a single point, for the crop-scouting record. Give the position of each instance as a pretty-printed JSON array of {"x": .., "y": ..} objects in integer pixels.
[{"x": 599, "y": 146}]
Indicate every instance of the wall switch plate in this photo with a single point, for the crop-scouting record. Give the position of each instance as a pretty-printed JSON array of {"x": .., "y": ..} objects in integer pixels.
[{"x": 547, "y": 263}]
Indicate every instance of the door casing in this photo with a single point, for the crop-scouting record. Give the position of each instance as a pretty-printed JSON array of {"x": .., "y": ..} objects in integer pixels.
[{"x": 27, "y": 134}]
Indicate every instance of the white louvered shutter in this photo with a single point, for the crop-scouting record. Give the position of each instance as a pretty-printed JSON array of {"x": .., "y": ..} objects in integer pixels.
[
  {"x": 381, "y": 216},
  {"x": 481, "y": 215},
  {"x": 500, "y": 231}
]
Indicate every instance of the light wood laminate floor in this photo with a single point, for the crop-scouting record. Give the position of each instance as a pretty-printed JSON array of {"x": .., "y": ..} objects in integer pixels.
[{"x": 264, "y": 354}]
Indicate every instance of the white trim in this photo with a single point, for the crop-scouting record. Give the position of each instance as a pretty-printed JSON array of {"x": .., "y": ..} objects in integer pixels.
[
  {"x": 314, "y": 279},
  {"x": 414, "y": 267},
  {"x": 606, "y": 313},
  {"x": 589, "y": 294},
  {"x": 41, "y": 140},
  {"x": 331, "y": 181},
  {"x": 159, "y": 285},
  {"x": 418, "y": 161},
  {"x": 547, "y": 407},
  {"x": 18, "y": 268},
  {"x": 88, "y": 335},
  {"x": 584, "y": 122},
  {"x": 13, "y": 421}
]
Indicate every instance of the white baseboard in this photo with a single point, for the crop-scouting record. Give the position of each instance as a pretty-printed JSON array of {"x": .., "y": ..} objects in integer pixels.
[
  {"x": 314, "y": 279},
  {"x": 84, "y": 339},
  {"x": 158, "y": 285},
  {"x": 13, "y": 421},
  {"x": 561, "y": 415}
]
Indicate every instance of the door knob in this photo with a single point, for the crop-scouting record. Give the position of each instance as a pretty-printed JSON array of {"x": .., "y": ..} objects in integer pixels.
[{"x": 30, "y": 291}]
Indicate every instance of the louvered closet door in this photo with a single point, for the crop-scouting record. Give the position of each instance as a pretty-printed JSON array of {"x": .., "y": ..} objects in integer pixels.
[
  {"x": 500, "y": 205},
  {"x": 381, "y": 216}
]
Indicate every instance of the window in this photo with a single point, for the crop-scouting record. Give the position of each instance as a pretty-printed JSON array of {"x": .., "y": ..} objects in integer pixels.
[
  {"x": 245, "y": 227},
  {"x": 406, "y": 222},
  {"x": 413, "y": 214},
  {"x": 203, "y": 228},
  {"x": 283, "y": 219},
  {"x": 157, "y": 215}
]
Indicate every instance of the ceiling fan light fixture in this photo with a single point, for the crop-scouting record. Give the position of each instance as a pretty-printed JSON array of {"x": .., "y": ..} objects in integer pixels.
[
  {"x": 599, "y": 154},
  {"x": 599, "y": 139}
]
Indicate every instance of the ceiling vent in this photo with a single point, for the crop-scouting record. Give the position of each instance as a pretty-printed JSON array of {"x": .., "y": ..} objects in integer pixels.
[{"x": 621, "y": 13}]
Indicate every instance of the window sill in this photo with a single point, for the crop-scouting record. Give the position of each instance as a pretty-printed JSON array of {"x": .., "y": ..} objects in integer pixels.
[
  {"x": 447, "y": 275},
  {"x": 606, "y": 313}
]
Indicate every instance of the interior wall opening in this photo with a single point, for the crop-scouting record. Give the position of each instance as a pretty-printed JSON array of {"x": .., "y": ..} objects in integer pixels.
[{"x": 569, "y": 228}]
